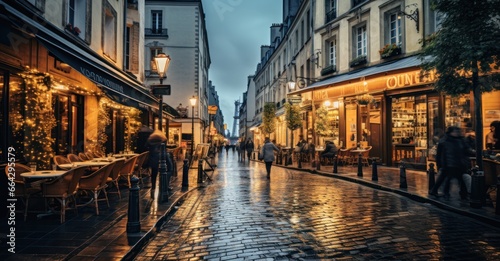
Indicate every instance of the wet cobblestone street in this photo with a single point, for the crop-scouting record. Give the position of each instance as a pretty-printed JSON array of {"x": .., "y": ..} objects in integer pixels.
[{"x": 242, "y": 215}]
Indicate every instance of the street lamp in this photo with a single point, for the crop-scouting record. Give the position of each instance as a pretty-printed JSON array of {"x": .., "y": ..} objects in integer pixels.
[
  {"x": 162, "y": 61},
  {"x": 193, "y": 103}
]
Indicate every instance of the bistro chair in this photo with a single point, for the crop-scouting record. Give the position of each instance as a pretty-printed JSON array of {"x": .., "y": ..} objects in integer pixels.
[
  {"x": 63, "y": 189},
  {"x": 365, "y": 156},
  {"x": 23, "y": 190},
  {"x": 58, "y": 160},
  {"x": 83, "y": 156},
  {"x": 90, "y": 155},
  {"x": 128, "y": 169},
  {"x": 139, "y": 171},
  {"x": 96, "y": 183},
  {"x": 98, "y": 154},
  {"x": 115, "y": 175},
  {"x": 73, "y": 158}
]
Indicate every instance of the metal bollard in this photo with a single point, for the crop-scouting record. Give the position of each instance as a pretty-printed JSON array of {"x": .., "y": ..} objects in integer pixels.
[
  {"x": 477, "y": 192},
  {"x": 402, "y": 176},
  {"x": 335, "y": 164},
  {"x": 185, "y": 177},
  {"x": 133, "y": 222},
  {"x": 299, "y": 165},
  {"x": 164, "y": 179},
  {"x": 200, "y": 171},
  {"x": 374, "y": 170},
  {"x": 432, "y": 174},
  {"x": 174, "y": 165},
  {"x": 497, "y": 208},
  {"x": 360, "y": 165},
  {"x": 286, "y": 159}
]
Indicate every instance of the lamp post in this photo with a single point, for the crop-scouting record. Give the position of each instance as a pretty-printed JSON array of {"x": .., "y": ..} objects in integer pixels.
[
  {"x": 193, "y": 103},
  {"x": 162, "y": 61}
]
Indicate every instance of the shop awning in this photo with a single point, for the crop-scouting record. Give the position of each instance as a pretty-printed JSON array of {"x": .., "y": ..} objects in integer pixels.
[
  {"x": 408, "y": 62},
  {"x": 115, "y": 82}
]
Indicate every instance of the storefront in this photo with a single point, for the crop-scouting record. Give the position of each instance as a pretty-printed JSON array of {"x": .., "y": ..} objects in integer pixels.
[
  {"x": 58, "y": 96},
  {"x": 392, "y": 109}
]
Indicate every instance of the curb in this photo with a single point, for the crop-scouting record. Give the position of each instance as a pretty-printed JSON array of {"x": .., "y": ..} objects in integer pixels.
[
  {"x": 144, "y": 240},
  {"x": 415, "y": 197}
]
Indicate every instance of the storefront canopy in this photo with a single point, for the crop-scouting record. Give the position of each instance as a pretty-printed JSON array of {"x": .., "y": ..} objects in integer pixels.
[
  {"x": 116, "y": 83},
  {"x": 408, "y": 62}
]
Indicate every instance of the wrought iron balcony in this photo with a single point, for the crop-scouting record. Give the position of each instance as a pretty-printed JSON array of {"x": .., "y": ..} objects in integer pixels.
[
  {"x": 331, "y": 15},
  {"x": 156, "y": 32}
]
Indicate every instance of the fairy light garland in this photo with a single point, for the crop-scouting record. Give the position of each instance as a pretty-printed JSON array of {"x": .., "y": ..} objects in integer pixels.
[{"x": 39, "y": 117}]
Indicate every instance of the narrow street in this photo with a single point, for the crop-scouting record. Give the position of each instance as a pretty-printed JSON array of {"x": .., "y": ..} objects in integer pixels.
[{"x": 242, "y": 215}]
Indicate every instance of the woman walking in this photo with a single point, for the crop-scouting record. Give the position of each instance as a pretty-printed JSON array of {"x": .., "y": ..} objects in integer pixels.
[
  {"x": 267, "y": 154},
  {"x": 249, "y": 148}
]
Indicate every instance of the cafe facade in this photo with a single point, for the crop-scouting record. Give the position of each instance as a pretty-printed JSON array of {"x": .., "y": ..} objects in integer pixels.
[
  {"x": 58, "y": 96},
  {"x": 394, "y": 109}
]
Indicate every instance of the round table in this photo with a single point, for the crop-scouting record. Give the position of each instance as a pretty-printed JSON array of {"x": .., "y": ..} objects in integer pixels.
[
  {"x": 83, "y": 164},
  {"x": 43, "y": 174}
]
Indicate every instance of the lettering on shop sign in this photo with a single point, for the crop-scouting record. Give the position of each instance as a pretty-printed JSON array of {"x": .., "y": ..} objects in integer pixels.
[
  {"x": 320, "y": 95},
  {"x": 409, "y": 79},
  {"x": 97, "y": 78}
]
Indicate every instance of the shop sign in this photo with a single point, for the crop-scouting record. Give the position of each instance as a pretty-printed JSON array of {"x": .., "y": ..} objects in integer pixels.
[
  {"x": 294, "y": 99},
  {"x": 409, "y": 79},
  {"x": 163, "y": 89}
]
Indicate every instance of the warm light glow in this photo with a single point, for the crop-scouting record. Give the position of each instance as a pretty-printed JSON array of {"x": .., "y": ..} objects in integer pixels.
[
  {"x": 291, "y": 85},
  {"x": 327, "y": 103},
  {"x": 336, "y": 105},
  {"x": 162, "y": 62},
  {"x": 193, "y": 101}
]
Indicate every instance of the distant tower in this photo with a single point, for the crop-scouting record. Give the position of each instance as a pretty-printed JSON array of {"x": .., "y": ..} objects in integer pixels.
[{"x": 236, "y": 118}]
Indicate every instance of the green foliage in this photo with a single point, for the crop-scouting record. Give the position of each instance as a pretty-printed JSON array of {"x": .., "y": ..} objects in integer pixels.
[
  {"x": 324, "y": 122},
  {"x": 268, "y": 118},
  {"x": 292, "y": 116},
  {"x": 466, "y": 47}
]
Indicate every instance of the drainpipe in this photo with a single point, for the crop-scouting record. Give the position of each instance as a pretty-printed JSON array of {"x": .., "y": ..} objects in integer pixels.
[{"x": 125, "y": 7}]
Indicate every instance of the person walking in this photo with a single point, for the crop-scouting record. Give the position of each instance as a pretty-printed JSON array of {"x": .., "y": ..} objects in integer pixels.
[
  {"x": 227, "y": 148},
  {"x": 153, "y": 144},
  {"x": 249, "y": 147},
  {"x": 452, "y": 161},
  {"x": 242, "y": 149},
  {"x": 267, "y": 154}
]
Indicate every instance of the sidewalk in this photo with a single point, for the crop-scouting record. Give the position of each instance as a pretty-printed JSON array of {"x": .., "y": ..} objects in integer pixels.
[
  {"x": 86, "y": 236},
  {"x": 417, "y": 188}
]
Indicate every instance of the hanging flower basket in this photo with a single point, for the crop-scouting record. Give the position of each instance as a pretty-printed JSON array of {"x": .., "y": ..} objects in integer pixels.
[
  {"x": 365, "y": 99},
  {"x": 389, "y": 50},
  {"x": 360, "y": 60}
]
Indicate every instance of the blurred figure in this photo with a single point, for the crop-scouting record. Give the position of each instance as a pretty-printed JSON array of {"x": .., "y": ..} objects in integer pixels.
[
  {"x": 242, "y": 149},
  {"x": 491, "y": 140},
  {"x": 267, "y": 154},
  {"x": 153, "y": 144},
  {"x": 329, "y": 152},
  {"x": 249, "y": 147},
  {"x": 452, "y": 161}
]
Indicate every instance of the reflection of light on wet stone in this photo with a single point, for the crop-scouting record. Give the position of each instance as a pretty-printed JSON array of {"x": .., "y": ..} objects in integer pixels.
[{"x": 295, "y": 219}]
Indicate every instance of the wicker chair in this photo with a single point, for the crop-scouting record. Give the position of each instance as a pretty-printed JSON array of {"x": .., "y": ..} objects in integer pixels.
[
  {"x": 73, "y": 158},
  {"x": 58, "y": 160},
  {"x": 139, "y": 171},
  {"x": 83, "y": 156},
  {"x": 115, "y": 175},
  {"x": 64, "y": 189},
  {"x": 96, "y": 183},
  {"x": 23, "y": 190},
  {"x": 128, "y": 169},
  {"x": 90, "y": 155}
]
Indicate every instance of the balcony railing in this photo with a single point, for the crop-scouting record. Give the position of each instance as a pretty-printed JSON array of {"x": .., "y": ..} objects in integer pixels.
[
  {"x": 331, "y": 15},
  {"x": 156, "y": 32}
]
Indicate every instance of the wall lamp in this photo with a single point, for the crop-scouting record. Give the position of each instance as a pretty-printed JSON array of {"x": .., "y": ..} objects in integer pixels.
[
  {"x": 300, "y": 82},
  {"x": 413, "y": 16}
]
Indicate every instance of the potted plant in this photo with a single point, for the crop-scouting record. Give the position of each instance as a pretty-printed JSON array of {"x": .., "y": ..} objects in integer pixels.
[
  {"x": 360, "y": 60},
  {"x": 364, "y": 99},
  {"x": 73, "y": 29},
  {"x": 390, "y": 50}
]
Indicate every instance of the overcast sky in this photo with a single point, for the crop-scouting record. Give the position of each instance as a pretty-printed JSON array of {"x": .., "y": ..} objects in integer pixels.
[{"x": 236, "y": 30}]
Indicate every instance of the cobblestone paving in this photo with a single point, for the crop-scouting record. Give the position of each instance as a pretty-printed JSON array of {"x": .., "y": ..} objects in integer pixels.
[{"x": 297, "y": 216}]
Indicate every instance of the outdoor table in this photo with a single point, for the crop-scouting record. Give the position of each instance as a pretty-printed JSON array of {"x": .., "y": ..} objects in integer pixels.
[
  {"x": 125, "y": 155},
  {"x": 43, "y": 174},
  {"x": 83, "y": 164}
]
